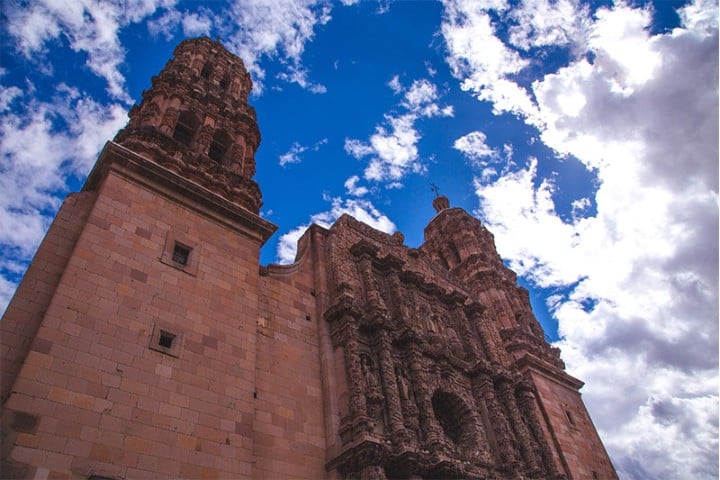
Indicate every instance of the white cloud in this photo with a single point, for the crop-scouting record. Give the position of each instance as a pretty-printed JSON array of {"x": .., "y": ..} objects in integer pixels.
[
  {"x": 197, "y": 24},
  {"x": 89, "y": 26},
  {"x": 293, "y": 155},
  {"x": 352, "y": 187},
  {"x": 640, "y": 310},
  {"x": 393, "y": 147},
  {"x": 361, "y": 209},
  {"x": 474, "y": 147},
  {"x": 8, "y": 96},
  {"x": 38, "y": 161},
  {"x": 296, "y": 74},
  {"x": 395, "y": 85},
  {"x": 483, "y": 63},
  {"x": 700, "y": 15},
  {"x": 274, "y": 27},
  {"x": 540, "y": 23}
]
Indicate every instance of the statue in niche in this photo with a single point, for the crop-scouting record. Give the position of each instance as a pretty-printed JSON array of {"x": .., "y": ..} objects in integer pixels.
[
  {"x": 371, "y": 380},
  {"x": 430, "y": 322},
  {"x": 402, "y": 382}
]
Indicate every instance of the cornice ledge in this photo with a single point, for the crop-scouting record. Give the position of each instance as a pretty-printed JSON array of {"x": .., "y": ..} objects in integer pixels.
[
  {"x": 134, "y": 167},
  {"x": 530, "y": 362}
]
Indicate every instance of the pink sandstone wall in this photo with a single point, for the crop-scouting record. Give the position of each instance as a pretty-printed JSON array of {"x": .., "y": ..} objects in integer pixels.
[
  {"x": 583, "y": 455},
  {"x": 24, "y": 314},
  {"x": 92, "y": 398},
  {"x": 289, "y": 430}
]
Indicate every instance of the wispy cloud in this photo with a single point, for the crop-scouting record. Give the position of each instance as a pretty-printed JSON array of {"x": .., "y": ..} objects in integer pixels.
[{"x": 293, "y": 155}]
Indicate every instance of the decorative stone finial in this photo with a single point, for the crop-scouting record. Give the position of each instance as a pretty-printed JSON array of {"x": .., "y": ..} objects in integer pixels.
[{"x": 440, "y": 203}]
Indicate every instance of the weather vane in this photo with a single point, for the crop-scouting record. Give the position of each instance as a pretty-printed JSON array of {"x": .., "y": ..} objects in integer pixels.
[{"x": 435, "y": 189}]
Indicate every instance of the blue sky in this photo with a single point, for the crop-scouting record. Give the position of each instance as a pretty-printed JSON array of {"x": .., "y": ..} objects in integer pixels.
[{"x": 583, "y": 134}]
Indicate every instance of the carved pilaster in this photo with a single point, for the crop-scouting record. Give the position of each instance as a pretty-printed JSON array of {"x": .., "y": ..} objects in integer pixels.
[
  {"x": 372, "y": 472},
  {"x": 400, "y": 310},
  {"x": 169, "y": 120},
  {"x": 468, "y": 339},
  {"x": 528, "y": 406},
  {"x": 392, "y": 400},
  {"x": 149, "y": 112},
  {"x": 525, "y": 439},
  {"x": 237, "y": 153},
  {"x": 484, "y": 391},
  {"x": 428, "y": 425},
  {"x": 374, "y": 298},
  {"x": 204, "y": 138},
  {"x": 356, "y": 380}
]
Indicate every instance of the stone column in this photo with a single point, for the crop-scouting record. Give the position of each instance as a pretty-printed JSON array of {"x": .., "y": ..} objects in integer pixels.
[
  {"x": 387, "y": 370},
  {"x": 371, "y": 288},
  {"x": 428, "y": 424},
  {"x": 527, "y": 405},
  {"x": 484, "y": 391},
  {"x": 204, "y": 138},
  {"x": 353, "y": 369},
  {"x": 169, "y": 120},
  {"x": 525, "y": 439}
]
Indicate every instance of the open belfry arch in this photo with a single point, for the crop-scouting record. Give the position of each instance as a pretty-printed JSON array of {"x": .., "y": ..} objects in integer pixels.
[{"x": 146, "y": 340}]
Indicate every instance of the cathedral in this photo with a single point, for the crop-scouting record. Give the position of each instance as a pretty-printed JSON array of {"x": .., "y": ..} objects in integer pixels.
[{"x": 146, "y": 340}]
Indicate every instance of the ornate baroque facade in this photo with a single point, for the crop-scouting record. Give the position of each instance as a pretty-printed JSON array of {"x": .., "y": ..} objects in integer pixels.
[{"x": 146, "y": 341}]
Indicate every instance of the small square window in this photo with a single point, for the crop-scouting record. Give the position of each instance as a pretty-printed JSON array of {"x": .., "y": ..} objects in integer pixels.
[
  {"x": 181, "y": 254},
  {"x": 165, "y": 340}
]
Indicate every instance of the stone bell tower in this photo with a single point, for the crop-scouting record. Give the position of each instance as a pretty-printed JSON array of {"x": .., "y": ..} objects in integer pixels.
[
  {"x": 196, "y": 122},
  {"x": 129, "y": 347}
]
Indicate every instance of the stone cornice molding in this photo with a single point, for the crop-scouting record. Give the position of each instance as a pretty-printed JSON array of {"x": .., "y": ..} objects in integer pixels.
[{"x": 127, "y": 164}]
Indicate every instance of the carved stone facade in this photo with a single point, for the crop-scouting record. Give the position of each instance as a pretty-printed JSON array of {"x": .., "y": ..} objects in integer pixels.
[{"x": 146, "y": 341}]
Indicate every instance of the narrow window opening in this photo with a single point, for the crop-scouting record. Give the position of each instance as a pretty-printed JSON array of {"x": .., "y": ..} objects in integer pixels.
[
  {"x": 570, "y": 417},
  {"x": 206, "y": 71},
  {"x": 220, "y": 145},
  {"x": 166, "y": 339},
  {"x": 595, "y": 475},
  {"x": 181, "y": 254},
  {"x": 307, "y": 318},
  {"x": 225, "y": 82},
  {"x": 185, "y": 128}
]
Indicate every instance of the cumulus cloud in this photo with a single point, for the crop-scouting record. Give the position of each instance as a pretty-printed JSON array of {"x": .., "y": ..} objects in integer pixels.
[
  {"x": 474, "y": 147},
  {"x": 540, "y": 23},
  {"x": 293, "y": 155},
  {"x": 193, "y": 24},
  {"x": 484, "y": 64},
  {"x": 638, "y": 312},
  {"x": 393, "y": 147},
  {"x": 361, "y": 209}
]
